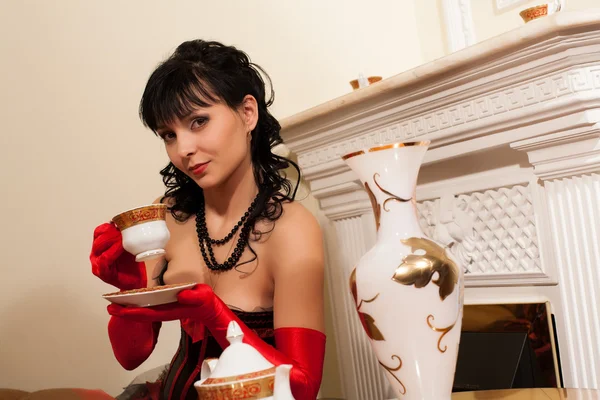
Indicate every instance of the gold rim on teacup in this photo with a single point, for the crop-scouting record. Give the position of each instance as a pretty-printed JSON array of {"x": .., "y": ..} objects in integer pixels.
[
  {"x": 531, "y": 13},
  {"x": 386, "y": 147},
  {"x": 249, "y": 389},
  {"x": 140, "y": 215}
]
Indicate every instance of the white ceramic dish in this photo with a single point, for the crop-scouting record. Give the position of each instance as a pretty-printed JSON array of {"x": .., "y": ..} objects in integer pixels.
[{"x": 148, "y": 297}]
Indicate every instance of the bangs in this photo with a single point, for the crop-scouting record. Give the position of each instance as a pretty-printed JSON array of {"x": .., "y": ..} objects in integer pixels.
[{"x": 174, "y": 92}]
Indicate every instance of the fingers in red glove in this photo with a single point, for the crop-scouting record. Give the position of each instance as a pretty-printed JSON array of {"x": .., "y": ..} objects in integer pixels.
[{"x": 111, "y": 263}]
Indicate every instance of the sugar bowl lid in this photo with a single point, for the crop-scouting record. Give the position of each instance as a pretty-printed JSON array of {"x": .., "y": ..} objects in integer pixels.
[{"x": 239, "y": 361}]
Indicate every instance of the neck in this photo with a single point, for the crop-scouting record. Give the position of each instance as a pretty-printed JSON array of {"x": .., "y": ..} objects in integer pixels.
[{"x": 232, "y": 198}]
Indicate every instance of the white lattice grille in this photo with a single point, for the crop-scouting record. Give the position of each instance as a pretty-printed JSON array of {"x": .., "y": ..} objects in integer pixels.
[{"x": 504, "y": 235}]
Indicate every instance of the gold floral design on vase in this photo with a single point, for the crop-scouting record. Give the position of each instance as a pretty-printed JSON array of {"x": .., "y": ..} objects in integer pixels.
[
  {"x": 418, "y": 269},
  {"x": 366, "y": 320},
  {"x": 395, "y": 369},
  {"x": 392, "y": 197},
  {"x": 444, "y": 331},
  {"x": 375, "y": 205}
]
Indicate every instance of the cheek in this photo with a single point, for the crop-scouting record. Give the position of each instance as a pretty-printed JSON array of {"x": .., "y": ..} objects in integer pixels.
[{"x": 174, "y": 156}]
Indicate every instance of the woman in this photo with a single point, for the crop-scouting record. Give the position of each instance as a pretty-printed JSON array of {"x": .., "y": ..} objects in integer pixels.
[{"x": 256, "y": 254}]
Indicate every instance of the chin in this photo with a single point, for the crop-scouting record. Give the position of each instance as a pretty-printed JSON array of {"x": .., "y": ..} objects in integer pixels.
[{"x": 206, "y": 182}]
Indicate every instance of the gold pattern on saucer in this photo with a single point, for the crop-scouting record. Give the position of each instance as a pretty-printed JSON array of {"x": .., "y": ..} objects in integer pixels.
[
  {"x": 353, "y": 154},
  {"x": 392, "y": 197},
  {"x": 250, "y": 389},
  {"x": 375, "y": 205},
  {"x": 398, "y": 145},
  {"x": 140, "y": 215},
  {"x": 418, "y": 270},
  {"x": 392, "y": 370},
  {"x": 366, "y": 320},
  {"x": 444, "y": 331}
]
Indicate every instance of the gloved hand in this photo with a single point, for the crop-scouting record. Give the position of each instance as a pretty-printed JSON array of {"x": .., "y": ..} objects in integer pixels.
[
  {"x": 111, "y": 263},
  {"x": 132, "y": 342},
  {"x": 303, "y": 348}
]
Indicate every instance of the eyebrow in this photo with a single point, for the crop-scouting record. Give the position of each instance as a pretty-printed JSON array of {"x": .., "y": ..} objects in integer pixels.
[{"x": 184, "y": 118}]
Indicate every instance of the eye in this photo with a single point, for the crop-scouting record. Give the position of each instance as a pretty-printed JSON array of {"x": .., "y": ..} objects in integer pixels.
[
  {"x": 198, "y": 122},
  {"x": 167, "y": 136}
]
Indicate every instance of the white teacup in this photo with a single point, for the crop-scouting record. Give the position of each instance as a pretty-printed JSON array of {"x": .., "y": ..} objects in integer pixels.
[{"x": 144, "y": 230}]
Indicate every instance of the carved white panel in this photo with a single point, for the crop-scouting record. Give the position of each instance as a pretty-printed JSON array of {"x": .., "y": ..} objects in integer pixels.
[
  {"x": 501, "y": 102},
  {"x": 362, "y": 376},
  {"x": 574, "y": 206},
  {"x": 504, "y": 238}
]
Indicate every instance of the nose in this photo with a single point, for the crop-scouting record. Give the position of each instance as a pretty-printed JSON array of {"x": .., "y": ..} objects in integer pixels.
[{"x": 186, "y": 145}]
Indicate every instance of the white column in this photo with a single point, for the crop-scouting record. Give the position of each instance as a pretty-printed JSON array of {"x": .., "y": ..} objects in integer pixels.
[
  {"x": 574, "y": 206},
  {"x": 568, "y": 164}
]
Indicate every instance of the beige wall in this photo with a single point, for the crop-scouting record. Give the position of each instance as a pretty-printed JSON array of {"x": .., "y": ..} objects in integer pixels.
[
  {"x": 489, "y": 22},
  {"x": 74, "y": 152}
]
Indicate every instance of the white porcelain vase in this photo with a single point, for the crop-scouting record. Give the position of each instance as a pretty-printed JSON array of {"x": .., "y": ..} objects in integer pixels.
[{"x": 408, "y": 289}]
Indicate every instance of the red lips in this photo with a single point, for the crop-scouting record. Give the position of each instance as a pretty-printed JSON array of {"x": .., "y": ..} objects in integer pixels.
[{"x": 198, "y": 169}]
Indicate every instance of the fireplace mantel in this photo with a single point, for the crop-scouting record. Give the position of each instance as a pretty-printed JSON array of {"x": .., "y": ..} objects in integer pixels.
[{"x": 511, "y": 177}]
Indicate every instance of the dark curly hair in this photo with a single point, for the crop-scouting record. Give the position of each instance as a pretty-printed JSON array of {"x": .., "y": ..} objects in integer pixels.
[{"x": 200, "y": 73}]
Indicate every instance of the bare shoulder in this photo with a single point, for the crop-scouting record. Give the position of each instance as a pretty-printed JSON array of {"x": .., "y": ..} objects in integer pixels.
[
  {"x": 297, "y": 236},
  {"x": 297, "y": 221}
]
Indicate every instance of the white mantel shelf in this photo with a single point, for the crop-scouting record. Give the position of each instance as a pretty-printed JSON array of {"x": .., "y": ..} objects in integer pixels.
[{"x": 512, "y": 177}]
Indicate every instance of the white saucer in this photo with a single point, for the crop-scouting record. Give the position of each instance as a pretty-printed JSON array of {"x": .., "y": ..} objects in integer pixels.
[{"x": 148, "y": 297}]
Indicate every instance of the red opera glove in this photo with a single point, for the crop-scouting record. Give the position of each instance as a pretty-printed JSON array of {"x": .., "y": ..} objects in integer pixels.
[
  {"x": 303, "y": 348},
  {"x": 132, "y": 342},
  {"x": 111, "y": 263}
]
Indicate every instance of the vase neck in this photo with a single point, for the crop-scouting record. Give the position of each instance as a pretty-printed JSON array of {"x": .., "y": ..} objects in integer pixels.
[
  {"x": 389, "y": 175},
  {"x": 397, "y": 219}
]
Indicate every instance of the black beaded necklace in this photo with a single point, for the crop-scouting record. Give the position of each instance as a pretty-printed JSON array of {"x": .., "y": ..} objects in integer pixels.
[{"x": 206, "y": 242}]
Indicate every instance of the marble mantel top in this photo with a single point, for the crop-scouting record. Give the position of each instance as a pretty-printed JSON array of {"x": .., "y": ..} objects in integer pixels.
[{"x": 561, "y": 24}]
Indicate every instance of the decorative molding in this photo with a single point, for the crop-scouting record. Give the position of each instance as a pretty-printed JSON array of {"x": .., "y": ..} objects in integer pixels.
[
  {"x": 563, "y": 154},
  {"x": 458, "y": 18},
  {"x": 541, "y": 92}
]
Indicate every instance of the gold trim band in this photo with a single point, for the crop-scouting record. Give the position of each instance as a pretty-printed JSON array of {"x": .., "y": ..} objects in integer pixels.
[
  {"x": 127, "y": 219},
  {"x": 398, "y": 145},
  {"x": 350, "y": 155},
  {"x": 252, "y": 389},
  {"x": 386, "y": 147},
  {"x": 243, "y": 377}
]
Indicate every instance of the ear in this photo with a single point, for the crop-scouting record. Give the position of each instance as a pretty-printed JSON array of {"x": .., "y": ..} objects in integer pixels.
[{"x": 249, "y": 110}]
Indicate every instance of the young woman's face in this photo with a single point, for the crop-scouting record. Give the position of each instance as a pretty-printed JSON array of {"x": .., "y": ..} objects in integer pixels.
[{"x": 211, "y": 144}]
